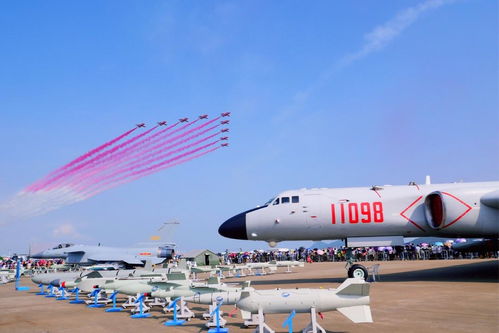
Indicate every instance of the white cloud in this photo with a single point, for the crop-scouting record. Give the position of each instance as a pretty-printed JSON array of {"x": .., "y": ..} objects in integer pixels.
[
  {"x": 375, "y": 40},
  {"x": 383, "y": 34}
]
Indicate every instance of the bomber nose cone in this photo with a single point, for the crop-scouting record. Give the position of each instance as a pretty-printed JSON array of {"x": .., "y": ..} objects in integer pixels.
[{"x": 235, "y": 227}]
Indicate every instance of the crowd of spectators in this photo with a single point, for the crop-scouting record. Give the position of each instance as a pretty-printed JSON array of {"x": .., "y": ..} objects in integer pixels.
[
  {"x": 410, "y": 251},
  {"x": 35, "y": 264}
]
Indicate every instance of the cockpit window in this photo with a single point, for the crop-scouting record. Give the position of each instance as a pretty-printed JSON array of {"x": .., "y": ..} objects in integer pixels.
[
  {"x": 285, "y": 200},
  {"x": 60, "y": 246},
  {"x": 295, "y": 199},
  {"x": 276, "y": 202},
  {"x": 268, "y": 202}
]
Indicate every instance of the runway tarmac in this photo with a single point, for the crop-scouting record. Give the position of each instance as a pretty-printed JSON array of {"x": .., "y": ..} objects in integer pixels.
[{"x": 412, "y": 296}]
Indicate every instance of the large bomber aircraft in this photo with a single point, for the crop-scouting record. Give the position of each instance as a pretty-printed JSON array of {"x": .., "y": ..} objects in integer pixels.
[
  {"x": 93, "y": 254},
  {"x": 372, "y": 216}
]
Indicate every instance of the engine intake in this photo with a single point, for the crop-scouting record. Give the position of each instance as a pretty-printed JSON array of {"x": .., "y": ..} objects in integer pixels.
[
  {"x": 435, "y": 210},
  {"x": 166, "y": 252}
]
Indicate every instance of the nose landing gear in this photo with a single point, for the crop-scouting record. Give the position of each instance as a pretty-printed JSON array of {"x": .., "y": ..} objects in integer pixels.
[{"x": 357, "y": 271}]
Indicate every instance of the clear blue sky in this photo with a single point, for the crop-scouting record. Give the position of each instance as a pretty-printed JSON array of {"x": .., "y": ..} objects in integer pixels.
[{"x": 323, "y": 94}]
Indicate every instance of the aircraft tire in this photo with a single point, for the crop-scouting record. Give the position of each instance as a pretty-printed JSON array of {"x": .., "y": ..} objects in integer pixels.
[{"x": 358, "y": 271}]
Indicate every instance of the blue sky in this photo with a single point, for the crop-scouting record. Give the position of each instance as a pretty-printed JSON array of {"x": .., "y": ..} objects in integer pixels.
[{"x": 322, "y": 94}]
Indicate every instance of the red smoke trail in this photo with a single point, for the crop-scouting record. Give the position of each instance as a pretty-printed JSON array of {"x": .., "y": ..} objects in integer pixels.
[
  {"x": 153, "y": 148},
  {"x": 147, "y": 173},
  {"x": 157, "y": 165},
  {"x": 79, "y": 159},
  {"x": 72, "y": 171},
  {"x": 142, "y": 154},
  {"x": 114, "y": 159},
  {"x": 128, "y": 153},
  {"x": 151, "y": 158}
]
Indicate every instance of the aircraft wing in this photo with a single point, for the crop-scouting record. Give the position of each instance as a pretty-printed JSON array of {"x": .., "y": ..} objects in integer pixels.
[{"x": 131, "y": 260}]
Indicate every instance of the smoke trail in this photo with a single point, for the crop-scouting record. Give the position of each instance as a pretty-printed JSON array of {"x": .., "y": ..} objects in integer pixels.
[
  {"x": 28, "y": 204},
  {"x": 53, "y": 182},
  {"x": 82, "y": 157},
  {"x": 139, "y": 154},
  {"x": 128, "y": 180},
  {"x": 115, "y": 158},
  {"x": 144, "y": 158},
  {"x": 155, "y": 166},
  {"x": 151, "y": 158},
  {"x": 110, "y": 165}
]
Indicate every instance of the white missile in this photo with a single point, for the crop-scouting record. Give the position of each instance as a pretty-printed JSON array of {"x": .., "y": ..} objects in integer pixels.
[
  {"x": 351, "y": 299},
  {"x": 228, "y": 297}
]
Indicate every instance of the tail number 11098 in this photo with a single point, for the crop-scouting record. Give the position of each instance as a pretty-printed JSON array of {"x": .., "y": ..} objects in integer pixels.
[{"x": 353, "y": 212}]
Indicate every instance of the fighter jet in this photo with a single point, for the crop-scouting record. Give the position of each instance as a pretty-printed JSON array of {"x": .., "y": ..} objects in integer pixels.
[
  {"x": 224, "y": 122},
  {"x": 162, "y": 123},
  {"x": 224, "y": 130},
  {"x": 372, "y": 216},
  {"x": 224, "y": 138},
  {"x": 225, "y": 114},
  {"x": 92, "y": 254},
  {"x": 224, "y": 145},
  {"x": 183, "y": 120},
  {"x": 141, "y": 125},
  {"x": 204, "y": 116}
]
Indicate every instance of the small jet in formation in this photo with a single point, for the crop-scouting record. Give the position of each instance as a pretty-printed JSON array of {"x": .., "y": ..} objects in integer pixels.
[
  {"x": 224, "y": 145},
  {"x": 183, "y": 120},
  {"x": 204, "y": 116},
  {"x": 162, "y": 123},
  {"x": 141, "y": 125},
  {"x": 223, "y": 122},
  {"x": 224, "y": 130},
  {"x": 93, "y": 254},
  {"x": 224, "y": 138},
  {"x": 373, "y": 216},
  {"x": 225, "y": 114}
]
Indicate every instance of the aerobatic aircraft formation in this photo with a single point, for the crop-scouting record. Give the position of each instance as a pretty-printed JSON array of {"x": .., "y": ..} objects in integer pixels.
[{"x": 126, "y": 158}]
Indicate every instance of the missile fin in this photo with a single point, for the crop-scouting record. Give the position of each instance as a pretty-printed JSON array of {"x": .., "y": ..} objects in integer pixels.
[
  {"x": 245, "y": 315},
  {"x": 353, "y": 287},
  {"x": 214, "y": 280},
  {"x": 246, "y": 284},
  {"x": 358, "y": 313}
]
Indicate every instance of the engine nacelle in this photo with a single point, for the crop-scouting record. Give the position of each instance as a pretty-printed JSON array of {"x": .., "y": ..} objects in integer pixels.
[
  {"x": 166, "y": 252},
  {"x": 443, "y": 209}
]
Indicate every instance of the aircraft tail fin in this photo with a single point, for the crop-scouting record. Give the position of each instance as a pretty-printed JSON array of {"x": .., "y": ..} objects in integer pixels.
[
  {"x": 354, "y": 287},
  {"x": 358, "y": 313}
]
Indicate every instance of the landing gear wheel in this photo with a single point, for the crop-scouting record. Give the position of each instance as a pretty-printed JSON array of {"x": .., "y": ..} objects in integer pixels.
[{"x": 357, "y": 271}]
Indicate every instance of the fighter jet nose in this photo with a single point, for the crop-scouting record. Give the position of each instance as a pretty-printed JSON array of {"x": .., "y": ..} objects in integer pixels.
[{"x": 235, "y": 227}]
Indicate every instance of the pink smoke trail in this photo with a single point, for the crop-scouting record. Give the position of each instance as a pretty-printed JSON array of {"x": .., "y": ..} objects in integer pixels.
[
  {"x": 128, "y": 180},
  {"x": 150, "y": 158},
  {"x": 79, "y": 159},
  {"x": 45, "y": 185},
  {"x": 116, "y": 158},
  {"x": 129, "y": 153},
  {"x": 157, "y": 165}
]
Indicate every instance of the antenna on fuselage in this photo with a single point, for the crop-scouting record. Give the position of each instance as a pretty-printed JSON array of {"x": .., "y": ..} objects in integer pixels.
[{"x": 427, "y": 180}]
